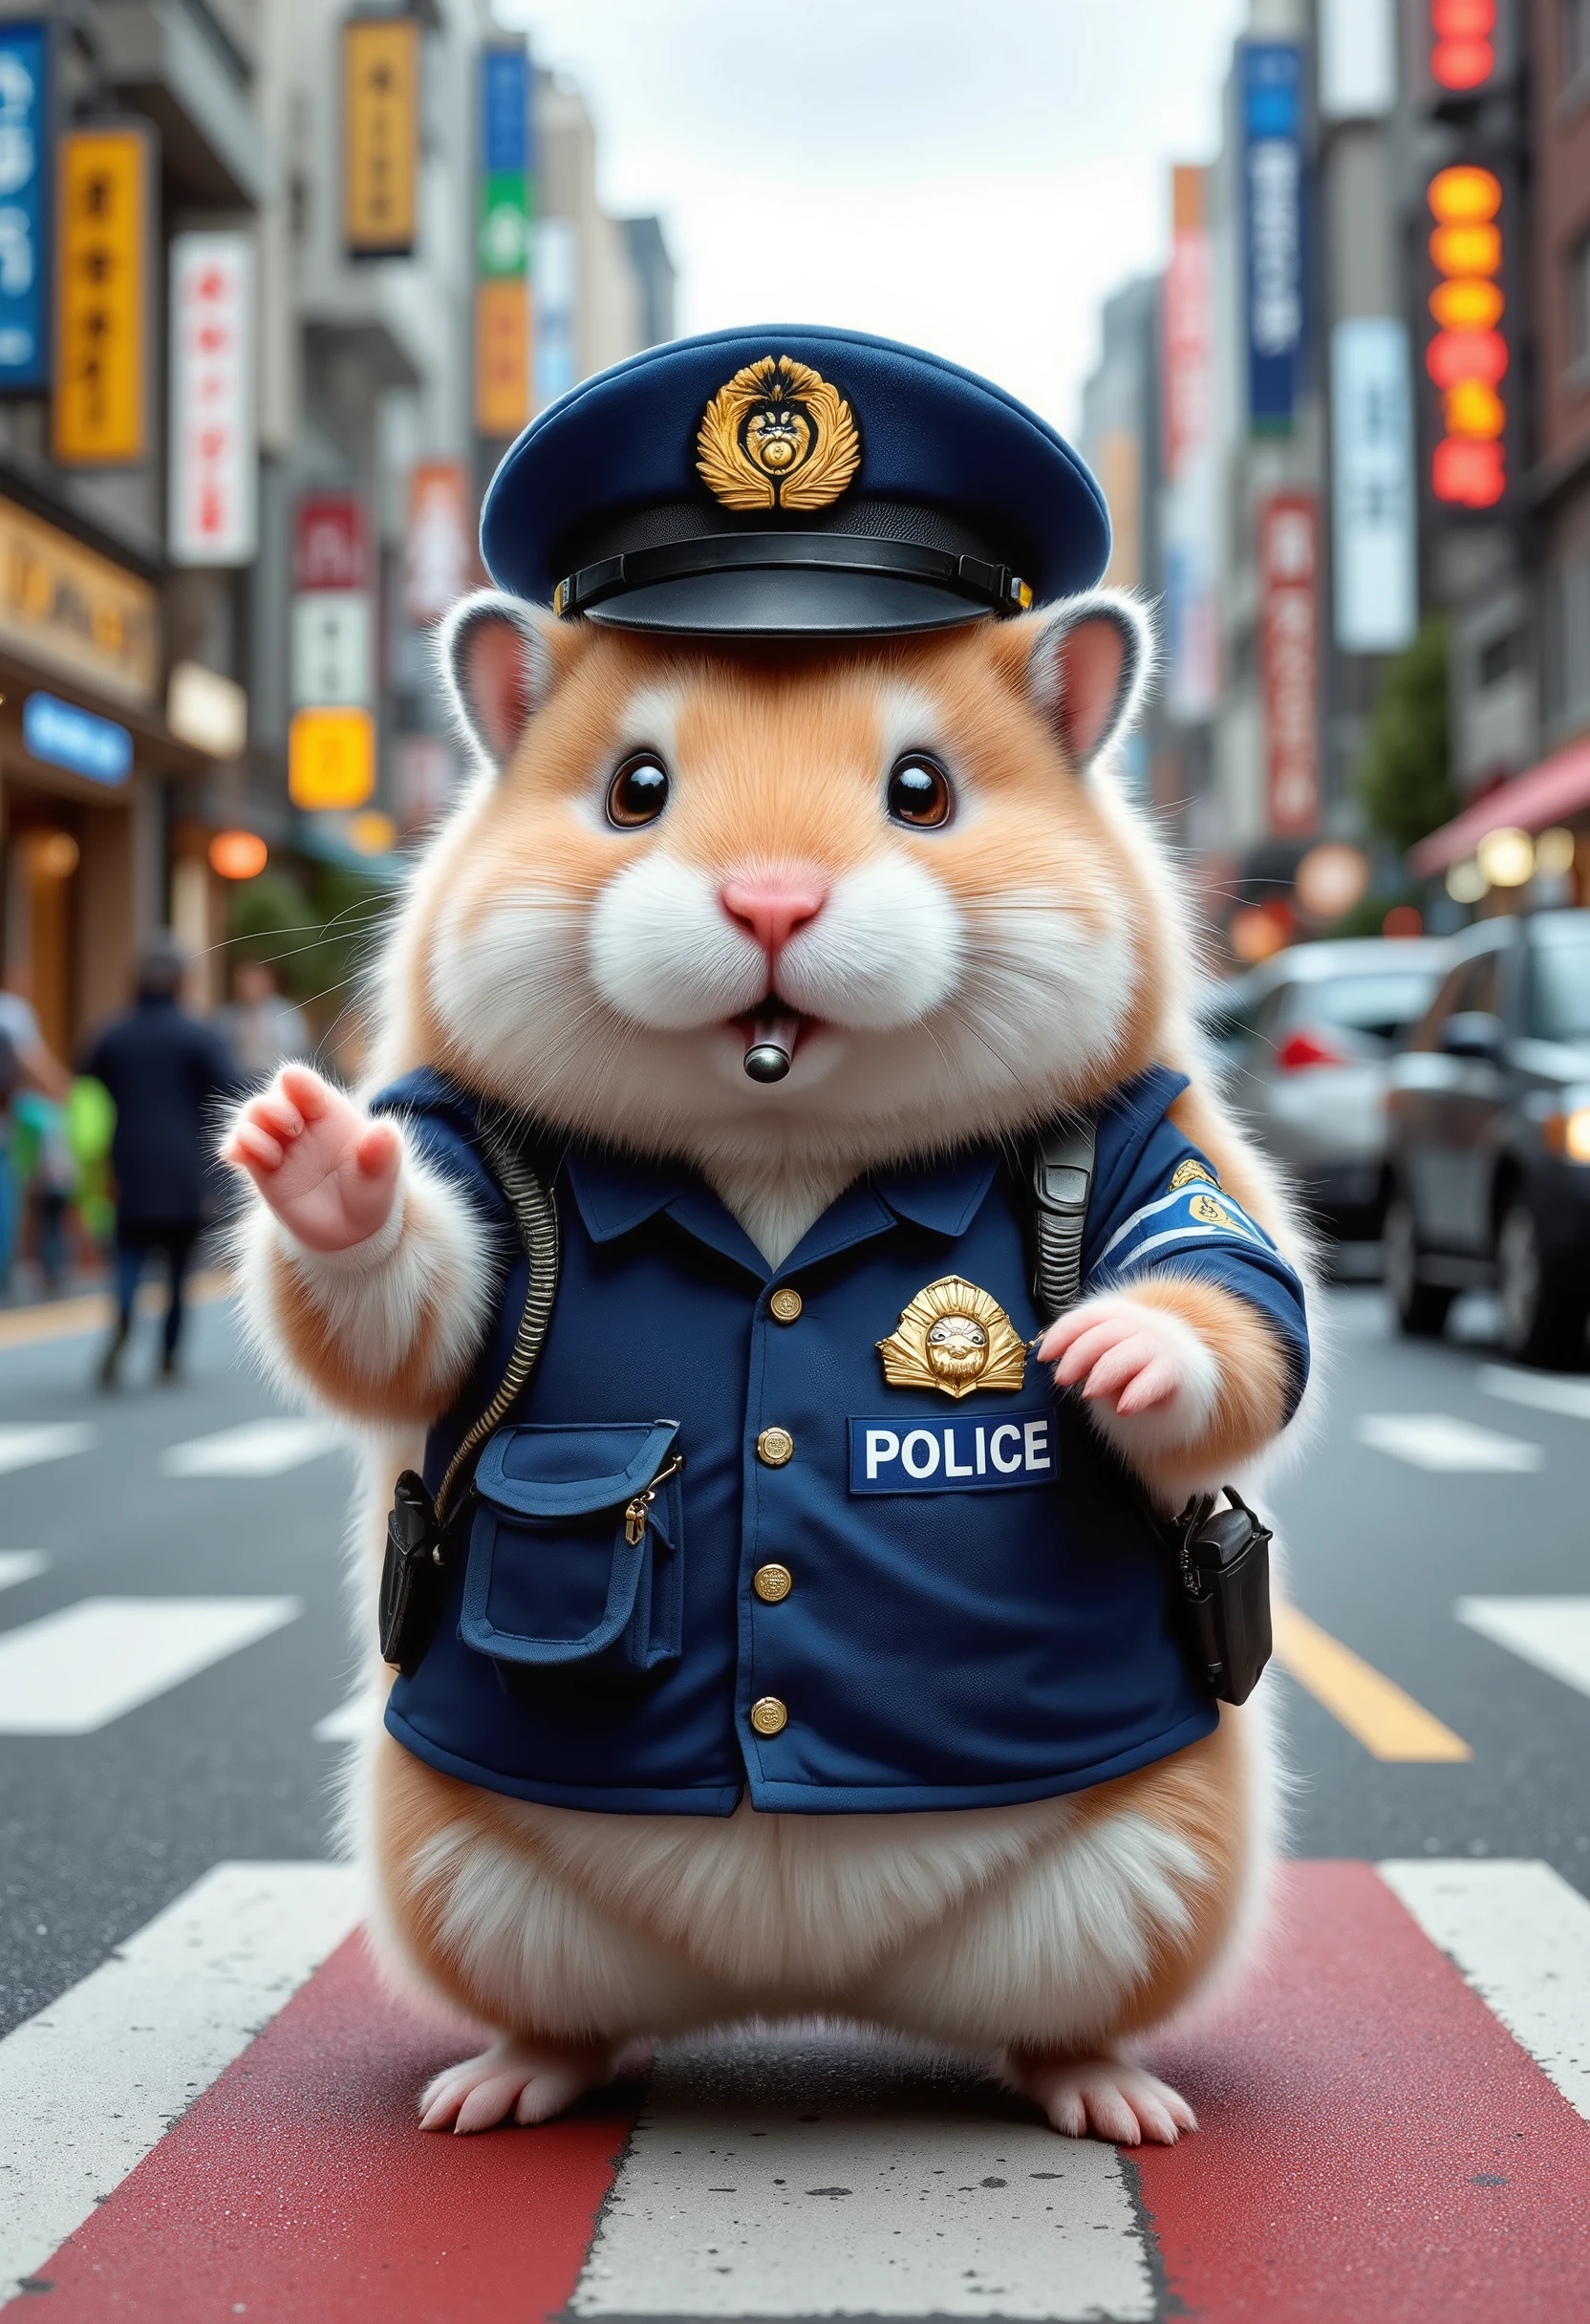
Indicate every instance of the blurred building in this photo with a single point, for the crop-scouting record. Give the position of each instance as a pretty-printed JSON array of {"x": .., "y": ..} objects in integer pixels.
[{"x": 278, "y": 280}]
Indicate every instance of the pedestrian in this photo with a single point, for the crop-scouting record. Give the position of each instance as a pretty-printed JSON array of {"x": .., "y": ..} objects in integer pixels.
[
  {"x": 263, "y": 1027},
  {"x": 26, "y": 1063},
  {"x": 166, "y": 1071}
]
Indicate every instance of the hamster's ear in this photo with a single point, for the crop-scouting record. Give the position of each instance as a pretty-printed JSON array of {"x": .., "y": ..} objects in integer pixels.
[
  {"x": 500, "y": 660},
  {"x": 1089, "y": 670}
]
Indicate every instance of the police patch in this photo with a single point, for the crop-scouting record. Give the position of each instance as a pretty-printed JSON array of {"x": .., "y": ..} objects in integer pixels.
[
  {"x": 1186, "y": 1172},
  {"x": 894, "y": 1454},
  {"x": 1180, "y": 1221}
]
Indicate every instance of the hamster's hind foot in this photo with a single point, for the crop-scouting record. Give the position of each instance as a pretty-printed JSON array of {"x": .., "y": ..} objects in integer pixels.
[
  {"x": 522, "y": 2081},
  {"x": 1099, "y": 2097}
]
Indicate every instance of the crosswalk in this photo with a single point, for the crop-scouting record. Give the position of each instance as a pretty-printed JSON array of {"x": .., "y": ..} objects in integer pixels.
[{"x": 1394, "y": 2121}]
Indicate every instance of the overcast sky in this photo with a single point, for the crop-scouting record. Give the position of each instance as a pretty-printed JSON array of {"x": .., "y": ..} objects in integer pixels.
[{"x": 972, "y": 175}]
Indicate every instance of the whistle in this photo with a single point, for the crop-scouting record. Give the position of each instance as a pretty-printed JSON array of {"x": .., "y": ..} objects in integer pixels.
[{"x": 771, "y": 1048}]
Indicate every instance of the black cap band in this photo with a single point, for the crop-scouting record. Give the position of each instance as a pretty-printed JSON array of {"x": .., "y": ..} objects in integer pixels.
[{"x": 995, "y": 588}]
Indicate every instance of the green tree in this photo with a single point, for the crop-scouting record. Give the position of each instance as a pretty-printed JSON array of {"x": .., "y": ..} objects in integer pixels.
[{"x": 1405, "y": 776}]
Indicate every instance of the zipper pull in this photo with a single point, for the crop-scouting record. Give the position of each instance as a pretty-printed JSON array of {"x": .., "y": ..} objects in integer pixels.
[{"x": 634, "y": 1520}]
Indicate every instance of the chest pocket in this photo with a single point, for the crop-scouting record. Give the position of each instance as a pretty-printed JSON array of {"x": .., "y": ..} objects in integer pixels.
[{"x": 576, "y": 1551}]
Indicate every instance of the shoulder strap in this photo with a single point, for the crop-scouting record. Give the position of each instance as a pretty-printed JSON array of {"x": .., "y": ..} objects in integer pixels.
[
  {"x": 1062, "y": 1180},
  {"x": 535, "y": 1216}
]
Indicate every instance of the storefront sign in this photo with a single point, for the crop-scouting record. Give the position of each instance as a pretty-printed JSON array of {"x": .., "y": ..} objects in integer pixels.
[
  {"x": 328, "y": 542},
  {"x": 330, "y": 758},
  {"x": 214, "y": 467},
  {"x": 439, "y": 548},
  {"x": 503, "y": 244},
  {"x": 1189, "y": 515},
  {"x": 1289, "y": 565},
  {"x": 24, "y": 205},
  {"x": 1358, "y": 59},
  {"x": 502, "y": 357},
  {"x": 62, "y": 734},
  {"x": 1273, "y": 194},
  {"x": 103, "y": 295},
  {"x": 207, "y": 711},
  {"x": 1469, "y": 356},
  {"x": 331, "y": 648},
  {"x": 1374, "y": 566},
  {"x": 380, "y": 136},
  {"x": 73, "y": 611}
]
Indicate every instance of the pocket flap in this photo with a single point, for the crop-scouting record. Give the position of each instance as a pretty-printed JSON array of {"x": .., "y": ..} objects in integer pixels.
[{"x": 571, "y": 1471}]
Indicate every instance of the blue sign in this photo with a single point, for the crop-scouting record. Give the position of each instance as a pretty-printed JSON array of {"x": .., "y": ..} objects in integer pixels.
[
  {"x": 504, "y": 111},
  {"x": 1272, "y": 106},
  {"x": 62, "y": 734},
  {"x": 24, "y": 205}
]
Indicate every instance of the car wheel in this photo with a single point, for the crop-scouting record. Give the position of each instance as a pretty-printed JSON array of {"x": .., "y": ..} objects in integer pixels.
[
  {"x": 1420, "y": 1308},
  {"x": 1543, "y": 1307}
]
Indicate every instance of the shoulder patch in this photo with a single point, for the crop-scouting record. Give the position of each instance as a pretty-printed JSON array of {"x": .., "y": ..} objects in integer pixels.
[{"x": 1186, "y": 1172}]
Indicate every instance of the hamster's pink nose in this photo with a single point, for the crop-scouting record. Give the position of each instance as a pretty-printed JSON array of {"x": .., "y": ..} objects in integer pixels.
[{"x": 773, "y": 909}]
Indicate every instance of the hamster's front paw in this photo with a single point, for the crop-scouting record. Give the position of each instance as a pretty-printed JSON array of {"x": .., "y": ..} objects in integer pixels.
[
  {"x": 1101, "y": 2097},
  {"x": 327, "y": 1172},
  {"x": 1132, "y": 1358},
  {"x": 523, "y": 2080}
]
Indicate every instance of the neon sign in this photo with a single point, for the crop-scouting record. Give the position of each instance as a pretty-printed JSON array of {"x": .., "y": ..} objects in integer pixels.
[
  {"x": 1462, "y": 54},
  {"x": 1467, "y": 358}
]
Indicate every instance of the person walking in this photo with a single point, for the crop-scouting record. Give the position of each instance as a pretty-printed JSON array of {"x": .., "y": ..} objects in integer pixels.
[{"x": 168, "y": 1072}]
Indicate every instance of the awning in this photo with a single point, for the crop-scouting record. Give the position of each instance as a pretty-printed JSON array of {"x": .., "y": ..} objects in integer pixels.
[{"x": 1549, "y": 793}]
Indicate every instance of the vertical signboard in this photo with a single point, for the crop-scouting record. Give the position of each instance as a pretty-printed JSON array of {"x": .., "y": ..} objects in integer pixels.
[
  {"x": 1271, "y": 93},
  {"x": 556, "y": 291},
  {"x": 328, "y": 542},
  {"x": 437, "y": 543},
  {"x": 503, "y": 244},
  {"x": 103, "y": 307},
  {"x": 24, "y": 205},
  {"x": 1187, "y": 402},
  {"x": 1289, "y": 567},
  {"x": 1467, "y": 356},
  {"x": 380, "y": 136},
  {"x": 1374, "y": 566},
  {"x": 213, "y": 468},
  {"x": 1358, "y": 59}
]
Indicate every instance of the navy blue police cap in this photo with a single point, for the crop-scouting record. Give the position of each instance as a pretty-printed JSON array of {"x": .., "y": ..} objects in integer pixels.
[{"x": 791, "y": 482}]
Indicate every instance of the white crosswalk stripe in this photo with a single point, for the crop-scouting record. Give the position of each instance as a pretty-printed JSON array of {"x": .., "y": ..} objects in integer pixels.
[
  {"x": 1439, "y": 1441},
  {"x": 1545, "y": 1391},
  {"x": 260, "y": 1448},
  {"x": 73, "y": 1672},
  {"x": 1553, "y": 1633},
  {"x": 20, "y": 1565},
  {"x": 347, "y": 1723},
  {"x": 94, "y": 2081},
  {"x": 23, "y": 1446},
  {"x": 1521, "y": 1936}
]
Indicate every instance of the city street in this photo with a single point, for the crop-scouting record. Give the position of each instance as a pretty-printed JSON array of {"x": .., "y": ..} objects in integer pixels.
[{"x": 172, "y": 1661}]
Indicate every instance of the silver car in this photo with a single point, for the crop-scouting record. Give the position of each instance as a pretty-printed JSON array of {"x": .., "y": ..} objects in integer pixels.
[{"x": 1306, "y": 1040}]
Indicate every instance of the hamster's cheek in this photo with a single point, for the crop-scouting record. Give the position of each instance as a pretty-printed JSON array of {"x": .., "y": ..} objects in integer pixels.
[
  {"x": 661, "y": 950},
  {"x": 887, "y": 948}
]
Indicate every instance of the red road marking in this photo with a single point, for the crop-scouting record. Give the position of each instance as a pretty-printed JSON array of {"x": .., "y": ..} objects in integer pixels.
[
  {"x": 1375, "y": 2147},
  {"x": 300, "y": 2190}
]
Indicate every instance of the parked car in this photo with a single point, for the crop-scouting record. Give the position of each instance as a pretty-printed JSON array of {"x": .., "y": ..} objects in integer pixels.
[
  {"x": 1307, "y": 1041},
  {"x": 1490, "y": 1139}
]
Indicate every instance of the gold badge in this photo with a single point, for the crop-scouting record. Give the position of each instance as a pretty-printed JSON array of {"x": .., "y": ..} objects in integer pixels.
[
  {"x": 778, "y": 436},
  {"x": 956, "y": 1338},
  {"x": 1186, "y": 1172},
  {"x": 1211, "y": 1214}
]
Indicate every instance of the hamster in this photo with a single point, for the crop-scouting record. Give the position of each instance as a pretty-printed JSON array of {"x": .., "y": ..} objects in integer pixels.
[{"x": 942, "y": 985}]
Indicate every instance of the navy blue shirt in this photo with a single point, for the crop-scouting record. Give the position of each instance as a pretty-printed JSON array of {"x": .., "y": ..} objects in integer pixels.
[{"x": 976, "y": 1609}]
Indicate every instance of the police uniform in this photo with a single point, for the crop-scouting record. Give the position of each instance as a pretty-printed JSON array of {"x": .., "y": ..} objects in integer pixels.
[{"x": 824, "y": 1534}]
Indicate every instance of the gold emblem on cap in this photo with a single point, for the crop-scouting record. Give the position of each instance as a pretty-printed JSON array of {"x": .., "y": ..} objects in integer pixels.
[
  {"x": 778, "y": 436},
  {"x": 956, "y": 1338},
  {"x": 1186, "y": 1172}
]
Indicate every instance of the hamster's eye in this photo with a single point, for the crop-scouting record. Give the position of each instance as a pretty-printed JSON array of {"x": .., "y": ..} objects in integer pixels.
[
  {"x": 639, "y": 791},
  {"x": 919, "y": 792}
]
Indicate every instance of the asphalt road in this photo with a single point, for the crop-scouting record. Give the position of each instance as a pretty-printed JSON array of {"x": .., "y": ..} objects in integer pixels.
[{"x": 98, "y": 1831}]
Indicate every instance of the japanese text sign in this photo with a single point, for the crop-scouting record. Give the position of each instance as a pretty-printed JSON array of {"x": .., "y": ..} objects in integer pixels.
[
  {"x": 380, "y": 135},
  {"x": 24, "y": 205},
  {"x": 213, "y": 470},
  {"x": 102, "y": 304},
  {"x": 1289, "y": 566}
]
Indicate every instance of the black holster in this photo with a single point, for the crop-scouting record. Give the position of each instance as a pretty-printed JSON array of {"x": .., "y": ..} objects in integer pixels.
[
  {"x": 414, "y": 1580},
  {"x": 1223, "y": 1556}
]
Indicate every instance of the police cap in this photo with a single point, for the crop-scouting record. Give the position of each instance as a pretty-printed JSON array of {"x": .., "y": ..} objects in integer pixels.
[{"x": 791, "y": 482}]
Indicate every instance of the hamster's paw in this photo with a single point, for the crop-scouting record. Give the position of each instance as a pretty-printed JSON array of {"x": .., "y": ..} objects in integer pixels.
[
  {"x": 1099, "y": 2097},
  {"x": 327, "y": 1172},
  {"x": 521, "y": 2081},
  {"x": 1131, "y": 1359}
]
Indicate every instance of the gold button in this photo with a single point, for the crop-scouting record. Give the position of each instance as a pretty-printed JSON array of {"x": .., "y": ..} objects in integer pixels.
[
  {"x": 774, "y": 1447},
  {"x": 768, "y": 1717},
  {"x": 772, "y": 1582},
  {"x": 784, "y": 1306}
]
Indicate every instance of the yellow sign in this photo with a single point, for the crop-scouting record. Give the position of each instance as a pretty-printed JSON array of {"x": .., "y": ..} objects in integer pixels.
[
  {"x": 501, "y": 356},
  {"x": 67, "y": 608},
  {"x": 103, "y": 301},
  {"x": 330, "y": 758},
  {"x": 380, "y": 135}
]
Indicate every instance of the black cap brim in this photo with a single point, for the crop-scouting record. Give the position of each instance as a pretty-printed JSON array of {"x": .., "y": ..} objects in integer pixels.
[{"x": 787, "y": 603}]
